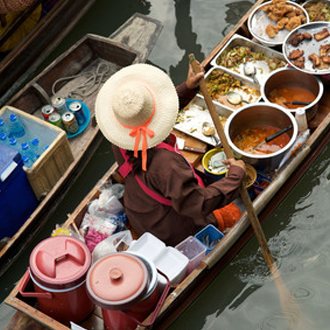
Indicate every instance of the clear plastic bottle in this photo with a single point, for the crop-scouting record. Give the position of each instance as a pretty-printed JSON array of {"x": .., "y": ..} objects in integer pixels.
[
  {"x": 27, "y": 162},
  {"x": 301, "y": 120},
  {"x": 16, "y": 126},
  {"x": 3, "y": 127},
  {"x": 27, "y": 151},
  {"x": 4, "y": 139},
  {"x": 13, "y": 143},
  {"x": 35, "y": 146}
]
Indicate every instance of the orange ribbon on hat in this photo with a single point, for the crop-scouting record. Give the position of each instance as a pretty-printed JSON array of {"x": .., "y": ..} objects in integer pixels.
[{"x": 143, "y": 129}]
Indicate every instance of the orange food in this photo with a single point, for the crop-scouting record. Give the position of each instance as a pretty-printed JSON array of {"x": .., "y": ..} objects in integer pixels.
[
  {"x": 282, "y": 95},
  {"x": 251, "y": 137}
]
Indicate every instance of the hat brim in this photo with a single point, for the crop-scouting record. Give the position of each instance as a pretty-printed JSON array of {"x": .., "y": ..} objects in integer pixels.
[{"x": 166, "y": 105}]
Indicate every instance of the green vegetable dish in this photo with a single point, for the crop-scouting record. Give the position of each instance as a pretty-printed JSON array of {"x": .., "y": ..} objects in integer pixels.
[
  {"x": 243, "y": 54},
  {"x": 318, "y": 11}
]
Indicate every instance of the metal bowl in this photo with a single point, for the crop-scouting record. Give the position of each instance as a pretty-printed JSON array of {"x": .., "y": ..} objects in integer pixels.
[
  {"x": 307, "y": 3},
  {"x": 255, "y": 115},
  {"x": 308, "y": 46},
  {"x": 290, "y": 77},
  {"x": 258, "y": 21}
]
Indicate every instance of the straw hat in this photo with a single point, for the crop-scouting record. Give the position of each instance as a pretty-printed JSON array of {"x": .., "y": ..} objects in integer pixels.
[{"x": 137, "y": 107}]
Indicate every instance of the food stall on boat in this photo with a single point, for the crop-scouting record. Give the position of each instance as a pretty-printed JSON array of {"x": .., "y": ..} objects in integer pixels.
[{"x": 268, "y": 191}]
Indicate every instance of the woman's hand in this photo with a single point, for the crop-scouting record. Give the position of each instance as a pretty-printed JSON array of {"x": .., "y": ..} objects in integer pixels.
[
  {"x": 193, "y": 79},
  {"x": 234, "y": 162}
]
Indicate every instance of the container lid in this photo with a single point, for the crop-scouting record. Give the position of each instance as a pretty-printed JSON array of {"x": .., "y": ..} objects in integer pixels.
[
  {"x": 117, "y": 281},
  {"x": 60, "y": 262},
  {"x": 8, "y": 156}
]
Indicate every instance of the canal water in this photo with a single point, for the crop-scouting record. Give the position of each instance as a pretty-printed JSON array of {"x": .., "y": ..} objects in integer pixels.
[{"x": 244, "y": 295}]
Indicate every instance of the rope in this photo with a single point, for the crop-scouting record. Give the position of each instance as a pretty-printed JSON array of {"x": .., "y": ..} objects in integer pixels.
[{"x": 92, "y": 83}]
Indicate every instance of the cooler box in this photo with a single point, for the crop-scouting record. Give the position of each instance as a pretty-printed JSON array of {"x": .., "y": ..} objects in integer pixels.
[
  {"x": 54, "y": 161},
  {"x": 17, "y": 200}
]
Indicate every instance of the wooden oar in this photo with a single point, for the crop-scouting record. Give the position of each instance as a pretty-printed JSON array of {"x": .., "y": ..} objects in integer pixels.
[{"x": 285, "y": 295}]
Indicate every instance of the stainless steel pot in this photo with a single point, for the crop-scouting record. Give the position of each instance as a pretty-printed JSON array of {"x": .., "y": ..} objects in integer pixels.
[
  {"x": 255, "y": 115},
  {"x": 290, "y": 77}
]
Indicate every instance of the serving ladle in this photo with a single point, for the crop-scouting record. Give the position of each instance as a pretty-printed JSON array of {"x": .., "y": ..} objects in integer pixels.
[
  {"x": 235, "y": 98},
  {"x": 273, "y": 136},
  {"x": 208, "y": 130},
  {"x": 298, "y": 103},
  {"x": 250, "y": 70}
]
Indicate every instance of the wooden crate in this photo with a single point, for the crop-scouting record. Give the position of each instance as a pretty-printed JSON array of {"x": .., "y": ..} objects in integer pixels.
[{"x": 53, "y": 162}]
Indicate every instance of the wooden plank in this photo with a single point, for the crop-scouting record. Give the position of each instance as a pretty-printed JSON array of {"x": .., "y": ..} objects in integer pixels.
[{"x": 139, "y": 32}]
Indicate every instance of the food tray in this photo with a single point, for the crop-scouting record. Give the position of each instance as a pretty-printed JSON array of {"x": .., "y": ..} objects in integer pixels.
[
  {"x": 308, "y": 46},
  {"x": 258, "y": 22},
  {"x": 192, "y": 117},
  {"x": 262, "y": 66},
  {"x": 323, "y": 8},
  {"x": 248, "y": 90}
]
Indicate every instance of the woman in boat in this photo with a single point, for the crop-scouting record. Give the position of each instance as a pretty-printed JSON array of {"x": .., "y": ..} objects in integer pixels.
[{"x": 136, "y": 110}]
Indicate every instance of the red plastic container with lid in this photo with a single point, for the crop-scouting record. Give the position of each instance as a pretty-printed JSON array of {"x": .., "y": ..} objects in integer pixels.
[
  {"x": 58, "y": 269},
  {"x": 124, "y": 285}
]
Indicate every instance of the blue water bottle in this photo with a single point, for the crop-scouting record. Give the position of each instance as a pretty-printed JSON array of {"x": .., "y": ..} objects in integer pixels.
[
  {"x": 27, "y": 161},
  {"x": 16, "y": 126},
  {"x": 27, "y": 151},
  {"x": 13, "y": 143},
  {"x": 3, "y": 127},
  {"x": 4, "y": 139},
  {"x": 34, "y": 144}
]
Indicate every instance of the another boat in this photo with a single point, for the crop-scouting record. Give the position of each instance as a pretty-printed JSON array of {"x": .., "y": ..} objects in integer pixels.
[
  {"x": 183, "y": 294},
  {"x": 20, "y": 60},
  {"x": 85, "y": 56}
]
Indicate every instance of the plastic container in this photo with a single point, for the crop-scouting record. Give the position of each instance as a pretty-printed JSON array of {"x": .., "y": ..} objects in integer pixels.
[
  {"x": 194, "y": 250},
  {"x": 17, "y": 200},
  {"x": 27, "y": 161},
  {"x": 58, "y": 269},
  {"x": 209, "y": 237},
  {"x": 125, "y": 287},
  {"x": 27, "y": 151},
  {"x": 301, "y": 119},
  {"x": 16, "y": 126}
]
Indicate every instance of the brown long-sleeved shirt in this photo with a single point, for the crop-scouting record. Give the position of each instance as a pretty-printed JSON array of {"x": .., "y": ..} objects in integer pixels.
[{"x": 170, "y": 175}]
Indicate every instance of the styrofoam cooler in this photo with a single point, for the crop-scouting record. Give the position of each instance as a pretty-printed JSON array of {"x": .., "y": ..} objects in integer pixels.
[
  {"x": 166, "y": 258},
  {"x": 17, "y": 200}
]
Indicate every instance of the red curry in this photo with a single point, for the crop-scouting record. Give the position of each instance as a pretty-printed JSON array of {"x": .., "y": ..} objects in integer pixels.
[
  {"x": 251, "y": 137},
  {"x": 282, "y": 95}
]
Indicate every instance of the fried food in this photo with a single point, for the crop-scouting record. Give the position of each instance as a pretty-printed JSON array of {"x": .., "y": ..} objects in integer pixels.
[
  {"x": 315, "y": 59},
  {"x": 307, "y": 35},
  {"x": 296, "y": 39},
  {"x": 296, "y": 53},
  {"x": 321, "y": 35},
  {"x": 299, "y": 62},
  {"x": 324, "y": 50},
  {"x": 286, "y": 17},
  {"x": 293, "y": 23},
  {"x": 271, "y": 30}
]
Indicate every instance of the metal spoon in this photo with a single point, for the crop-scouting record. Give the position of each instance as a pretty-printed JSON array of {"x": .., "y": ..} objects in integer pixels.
[
  {"x": 250, "y": 70},
  {"x": 208, "y": 130},
  {"x": 235, "y": 98}
]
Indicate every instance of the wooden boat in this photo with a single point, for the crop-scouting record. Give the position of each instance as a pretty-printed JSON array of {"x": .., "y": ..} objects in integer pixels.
[
  {"x": 18, "y": 64},
  {"x": 184, "y": 294},
  {"x": 84, "y": 56}
]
